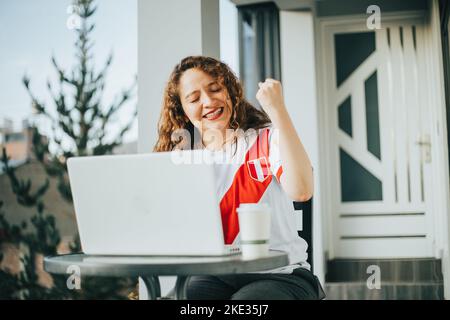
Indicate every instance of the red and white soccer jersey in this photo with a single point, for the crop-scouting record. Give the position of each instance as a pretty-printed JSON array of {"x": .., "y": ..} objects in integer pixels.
[{"x": 249, "y": 172}]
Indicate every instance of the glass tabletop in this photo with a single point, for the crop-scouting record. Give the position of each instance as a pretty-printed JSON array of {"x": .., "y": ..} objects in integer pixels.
[{"x": 101, "y": 265}]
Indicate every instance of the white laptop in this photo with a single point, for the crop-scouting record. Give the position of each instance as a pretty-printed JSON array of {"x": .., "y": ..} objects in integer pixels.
[{"x": 147, "y": 204}]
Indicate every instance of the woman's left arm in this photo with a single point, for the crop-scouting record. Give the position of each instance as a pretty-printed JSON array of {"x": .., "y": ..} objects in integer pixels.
[{"x": 297, "y": 178}]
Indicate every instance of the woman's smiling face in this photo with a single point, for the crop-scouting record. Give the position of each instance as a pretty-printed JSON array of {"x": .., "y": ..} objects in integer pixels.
[{"x": 205, "y": 101}]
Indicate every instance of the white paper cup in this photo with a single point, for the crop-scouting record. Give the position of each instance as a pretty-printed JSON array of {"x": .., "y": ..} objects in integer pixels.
[{"x": 254, "y": 226}]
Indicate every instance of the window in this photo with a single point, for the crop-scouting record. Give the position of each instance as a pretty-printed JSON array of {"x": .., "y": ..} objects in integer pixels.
[{"x": 259, "y": 46}]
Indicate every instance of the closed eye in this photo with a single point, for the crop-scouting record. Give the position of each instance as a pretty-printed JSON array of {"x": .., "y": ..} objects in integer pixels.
[
  {"x": 195, "y": 100},
  {"x": 214, "y": 87}
]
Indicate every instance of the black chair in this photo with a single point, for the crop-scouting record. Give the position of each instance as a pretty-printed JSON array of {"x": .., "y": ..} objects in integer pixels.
[
  {"x": 307, "y": 226},
  {"x": 307, "y": 234}
]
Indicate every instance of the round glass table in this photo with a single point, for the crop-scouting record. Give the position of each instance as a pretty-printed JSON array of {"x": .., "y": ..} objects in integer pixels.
[{"x": 149, "y": 268}]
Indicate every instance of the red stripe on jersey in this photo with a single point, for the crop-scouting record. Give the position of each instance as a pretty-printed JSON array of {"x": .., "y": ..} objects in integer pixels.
[
  {"x": 252, "y": 168},
  {"x": 244, "y": 189}
]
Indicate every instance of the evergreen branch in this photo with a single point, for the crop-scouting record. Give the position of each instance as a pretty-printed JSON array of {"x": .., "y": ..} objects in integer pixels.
[
  {"x": 64, "y": 189},
  {"x": 11, "y": 233},
  {"x": 102, "y": 73},
  {"x": 67, "y": 129},
  {"x": 21, "y": 188},
  {"x": 128, "y": 126},
  {"x": 107, "y": 148},
  {"x": 125, "y": 96},
  {"x": 62, "y": 76},
  {"x": 40, "y": 145},
  {"x": 36, "y": 105}
]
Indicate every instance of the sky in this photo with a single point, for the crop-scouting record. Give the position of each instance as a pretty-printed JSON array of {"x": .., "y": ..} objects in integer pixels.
[{"x": 31, "y": 31}]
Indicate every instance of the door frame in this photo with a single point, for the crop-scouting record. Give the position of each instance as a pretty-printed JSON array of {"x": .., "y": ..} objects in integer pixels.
[{"x": 439, "y": 203}]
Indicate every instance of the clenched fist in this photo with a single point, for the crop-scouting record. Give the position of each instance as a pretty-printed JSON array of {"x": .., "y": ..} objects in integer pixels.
[{"x": 270, "y": 96}]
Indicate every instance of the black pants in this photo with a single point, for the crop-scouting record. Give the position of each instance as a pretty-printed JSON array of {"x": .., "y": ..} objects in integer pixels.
[{"x": 300, "y": 285}]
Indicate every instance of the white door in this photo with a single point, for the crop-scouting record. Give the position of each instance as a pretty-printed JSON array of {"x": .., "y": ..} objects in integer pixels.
[{"x": 378, "y": 140}]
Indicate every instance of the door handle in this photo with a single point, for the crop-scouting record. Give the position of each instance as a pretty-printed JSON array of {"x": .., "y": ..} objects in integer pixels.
[{"x": 424, "y": 142}]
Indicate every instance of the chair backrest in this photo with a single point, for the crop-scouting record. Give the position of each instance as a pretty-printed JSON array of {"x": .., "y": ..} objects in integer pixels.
[{"x": 307, "y": 226}]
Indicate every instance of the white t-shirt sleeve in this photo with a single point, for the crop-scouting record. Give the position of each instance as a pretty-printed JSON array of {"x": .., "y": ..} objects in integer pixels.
[{"x": 274, "y": 153}]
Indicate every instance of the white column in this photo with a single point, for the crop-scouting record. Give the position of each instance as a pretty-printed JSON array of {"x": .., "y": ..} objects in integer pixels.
[
  {"x": 229, "y": 37},
  {"x": 441, "y": 192},
  {"x": 168, "y": 31},
  {"x": 299, "y": 88}
]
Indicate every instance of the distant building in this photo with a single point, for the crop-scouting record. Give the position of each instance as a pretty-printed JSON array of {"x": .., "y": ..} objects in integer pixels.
[{"x": 16, "y": 143}]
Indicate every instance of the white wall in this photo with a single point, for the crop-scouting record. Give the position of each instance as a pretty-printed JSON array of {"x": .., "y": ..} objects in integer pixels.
[
  {"x": 298, "y": 80},
  {"x": 229, "y": 41},
  {"x": 168, "y": 31}
]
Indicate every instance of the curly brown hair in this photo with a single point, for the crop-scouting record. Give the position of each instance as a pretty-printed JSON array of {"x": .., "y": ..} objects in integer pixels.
[{"x": 244, "y": 116}]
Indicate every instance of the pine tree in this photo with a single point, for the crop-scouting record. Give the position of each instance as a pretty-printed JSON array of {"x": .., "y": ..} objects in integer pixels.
[
  {"x": 80, "y": 126},
  {"x": 81, "y": 121}
]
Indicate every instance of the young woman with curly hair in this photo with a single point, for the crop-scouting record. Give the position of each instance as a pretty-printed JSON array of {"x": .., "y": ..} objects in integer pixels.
[{"x": 204, "y": 98}]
